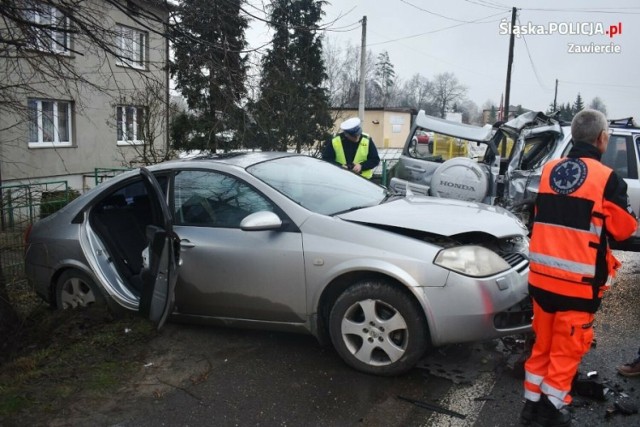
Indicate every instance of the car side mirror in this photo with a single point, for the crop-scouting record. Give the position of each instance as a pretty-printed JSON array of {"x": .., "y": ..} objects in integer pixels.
[{"x": 263, "y": 220}]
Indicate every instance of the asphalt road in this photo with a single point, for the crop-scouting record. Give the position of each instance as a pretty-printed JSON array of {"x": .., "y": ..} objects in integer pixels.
[{"x": 257, "y": 378}]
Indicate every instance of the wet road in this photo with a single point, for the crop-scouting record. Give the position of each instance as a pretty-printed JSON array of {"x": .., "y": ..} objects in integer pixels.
[{"x": 253, "y": 378}]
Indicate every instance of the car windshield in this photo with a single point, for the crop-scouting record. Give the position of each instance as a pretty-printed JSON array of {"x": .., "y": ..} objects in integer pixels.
[{"x": 317, "y": 185}]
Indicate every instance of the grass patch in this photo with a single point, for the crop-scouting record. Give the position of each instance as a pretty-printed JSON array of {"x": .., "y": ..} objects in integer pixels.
[{"x": 59, "y": 356}]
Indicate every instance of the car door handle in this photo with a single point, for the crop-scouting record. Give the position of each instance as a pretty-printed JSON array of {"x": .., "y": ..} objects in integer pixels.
[
  {"x": 185, "y": 243},
  {"x": 415, "y": 168}
]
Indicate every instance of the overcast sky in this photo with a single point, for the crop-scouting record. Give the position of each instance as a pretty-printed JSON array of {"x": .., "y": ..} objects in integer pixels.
[{"x": 467, "y": 37}]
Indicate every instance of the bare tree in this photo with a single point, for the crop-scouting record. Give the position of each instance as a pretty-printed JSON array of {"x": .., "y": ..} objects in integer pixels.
[
  {"x": 417, "y": 92},
  {"x": 597, "y": 104},
  {"x": 470, "y": 112},
  {"x": 343, "y": 75},
  {"x": 145, "y": 141},
  {"x": 447, "y": 91}
]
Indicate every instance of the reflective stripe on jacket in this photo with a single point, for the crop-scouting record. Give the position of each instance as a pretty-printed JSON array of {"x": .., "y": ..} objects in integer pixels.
[
  {"x": 567, "y": 235},
  {"x": 362, "y": 153}
]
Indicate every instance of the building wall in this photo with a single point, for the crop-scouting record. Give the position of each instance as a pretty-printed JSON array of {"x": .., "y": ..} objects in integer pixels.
[
  {"x": 93, "y": 127},
  {"x": 388, "y": 128}
]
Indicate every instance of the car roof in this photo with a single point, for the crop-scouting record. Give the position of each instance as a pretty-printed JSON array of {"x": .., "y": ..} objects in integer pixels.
[{"x": 239, "y": 159}]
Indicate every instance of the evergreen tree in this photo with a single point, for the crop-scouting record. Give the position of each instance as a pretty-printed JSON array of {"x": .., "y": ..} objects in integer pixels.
[
  {"x": 385, "y": 77},
  {"x": 550, "y": 109},
  {"x": 210, "y": 71},
  {"x": 292, "y": 109},
  {"x": 578, "y": 105},
  {"x": 566, "y": 112}
]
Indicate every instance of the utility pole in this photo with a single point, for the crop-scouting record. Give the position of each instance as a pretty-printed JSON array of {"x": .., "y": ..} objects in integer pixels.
[
  {"x": 363, "y": 57},
  {"x": 555, "y": 97},
  {"x": 510, "y": 61}
]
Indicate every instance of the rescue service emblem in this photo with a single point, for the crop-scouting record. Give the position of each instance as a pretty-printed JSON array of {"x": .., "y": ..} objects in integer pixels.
[{"x": 567, "y": 176}]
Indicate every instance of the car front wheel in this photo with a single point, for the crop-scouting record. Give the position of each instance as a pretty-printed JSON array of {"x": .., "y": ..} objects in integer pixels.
[
  {"x": 378, "y": 329},
  {"x": 76, "y": 289}
]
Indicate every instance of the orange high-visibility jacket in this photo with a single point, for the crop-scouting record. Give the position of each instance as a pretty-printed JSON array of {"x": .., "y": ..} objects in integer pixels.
[{"x": 569, "y": 253}]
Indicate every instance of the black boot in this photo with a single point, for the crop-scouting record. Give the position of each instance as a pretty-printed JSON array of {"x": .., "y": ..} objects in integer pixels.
[
  {"x": 529, "y": 412},
  {"x": 549, "y": 416}
]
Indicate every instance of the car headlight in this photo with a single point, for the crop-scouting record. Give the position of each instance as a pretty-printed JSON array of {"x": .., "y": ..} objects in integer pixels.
[{"x": 475, "y": 261}]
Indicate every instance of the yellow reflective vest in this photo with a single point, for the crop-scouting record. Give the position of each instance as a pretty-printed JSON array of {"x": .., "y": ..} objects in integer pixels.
[{"x": 362, "y": 153}]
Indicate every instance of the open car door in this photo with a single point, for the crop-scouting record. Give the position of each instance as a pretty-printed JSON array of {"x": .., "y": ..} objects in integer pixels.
[{"x": 160, "y": 260}]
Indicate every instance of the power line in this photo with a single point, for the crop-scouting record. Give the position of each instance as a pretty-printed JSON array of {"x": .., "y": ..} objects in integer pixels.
[
  {"x": 600, "y": 84},
  {"x": 608, "y": 10},
  {"x": 490, "y": 5},
  {"x": 533, "y": 65},
  {"x": 477, "y": 21},
  {"x": 436, "y": 14}
]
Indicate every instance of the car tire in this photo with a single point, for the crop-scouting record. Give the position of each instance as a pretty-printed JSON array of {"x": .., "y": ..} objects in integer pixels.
[
  {"x": 378, "y": 329},
  {"x": 75, "y": 288}
]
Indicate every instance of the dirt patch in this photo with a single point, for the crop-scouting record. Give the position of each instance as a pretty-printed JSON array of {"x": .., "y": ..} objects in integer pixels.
[{"x": 87, "y": 367}]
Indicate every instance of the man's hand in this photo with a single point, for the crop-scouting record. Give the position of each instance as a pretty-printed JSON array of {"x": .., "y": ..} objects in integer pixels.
[{"x": 357, "y": 168}]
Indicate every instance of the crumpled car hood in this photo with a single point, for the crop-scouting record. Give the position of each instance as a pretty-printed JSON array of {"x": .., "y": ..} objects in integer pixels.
[{"x": 445, "y": 217}]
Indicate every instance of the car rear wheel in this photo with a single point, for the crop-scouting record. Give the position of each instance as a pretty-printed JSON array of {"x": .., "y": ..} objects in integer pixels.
[
  {"x": 76, "y": 289},
  {"x": 378, "y": 329}
]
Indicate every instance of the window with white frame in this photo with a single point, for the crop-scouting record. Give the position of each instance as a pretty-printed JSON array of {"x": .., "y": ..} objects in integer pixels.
[
  {"x": 131, "y": 47},
  {"x": 51, "y": 30},
  {"x": 49, "y": 123},
  {"x": 130, "y": 124}
]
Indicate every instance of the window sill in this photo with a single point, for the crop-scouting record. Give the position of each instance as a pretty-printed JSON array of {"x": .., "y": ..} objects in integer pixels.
[
  {"x": 132, "y": 66},
  {"x": 43, "y": 51},
  {"x": 129, "y": 143},
  {"x": 50, "y": 145}
]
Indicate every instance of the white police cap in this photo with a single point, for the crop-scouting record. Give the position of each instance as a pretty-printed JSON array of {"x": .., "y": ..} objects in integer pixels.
[{"x": 351, "y": 125}]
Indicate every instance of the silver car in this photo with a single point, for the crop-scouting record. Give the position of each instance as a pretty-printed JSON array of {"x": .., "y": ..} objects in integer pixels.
[
  {"x": 289, "y": 242},
  {"x": 502, "y": 165},
  {"x": 498, "y": 166}
]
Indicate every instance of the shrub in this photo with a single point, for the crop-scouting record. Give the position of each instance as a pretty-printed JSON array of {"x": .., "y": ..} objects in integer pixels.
[{"x": 53, "y": 201}]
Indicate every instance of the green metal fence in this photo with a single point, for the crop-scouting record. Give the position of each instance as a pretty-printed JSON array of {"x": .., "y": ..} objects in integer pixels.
[{"x": 20, "y": 206}]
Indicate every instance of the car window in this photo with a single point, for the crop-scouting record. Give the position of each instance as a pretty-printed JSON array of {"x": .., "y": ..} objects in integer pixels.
[
  {"x": 438, "y": 147},
  {"x": 212, "y": 199},
  {"x": 133, "y": 198},
  {"x": 133, "y": 191},
  {"x": 616, "y": 155},
  {"x": 317, "y": 185},
  {"x": 536, "y": 151},
  {"x": 504, "y": 144}
]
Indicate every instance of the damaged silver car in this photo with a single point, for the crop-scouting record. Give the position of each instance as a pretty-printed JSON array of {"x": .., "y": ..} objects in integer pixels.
[
  {"x": 502, "y": 165},
  {"x": 498, "y": 166},
  {"x": 292, "y": 243}
]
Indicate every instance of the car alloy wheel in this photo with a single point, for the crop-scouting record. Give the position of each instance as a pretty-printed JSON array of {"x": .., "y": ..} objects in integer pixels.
[
  {"x": 378, "y": 328},
  {"x": 76, "y": 289}
]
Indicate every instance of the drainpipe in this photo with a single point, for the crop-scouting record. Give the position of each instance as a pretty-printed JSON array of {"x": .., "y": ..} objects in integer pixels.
[{"x": 167, "y": 77}]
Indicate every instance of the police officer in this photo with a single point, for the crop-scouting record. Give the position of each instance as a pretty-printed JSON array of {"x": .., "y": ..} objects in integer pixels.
[
  {"x": 580, "y": 205},
  {"x": 352, "y": 149}
]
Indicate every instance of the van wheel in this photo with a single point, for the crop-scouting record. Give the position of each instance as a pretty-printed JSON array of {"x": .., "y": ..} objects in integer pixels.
[
  {"x": 378, "y": 329},
  {"x": 76, "y": 289}
]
